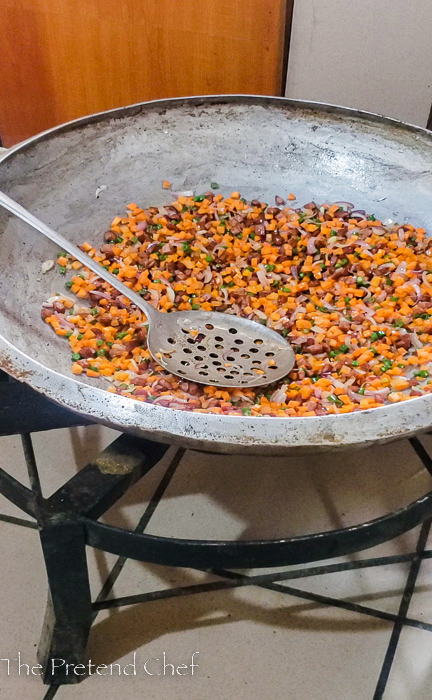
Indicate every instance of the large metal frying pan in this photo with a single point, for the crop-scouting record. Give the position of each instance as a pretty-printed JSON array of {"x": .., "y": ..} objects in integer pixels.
[{"x": 260, "y": 146}]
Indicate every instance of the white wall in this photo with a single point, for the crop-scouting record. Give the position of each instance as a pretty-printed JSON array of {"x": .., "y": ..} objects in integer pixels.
[{"x": 369, "y": 54}]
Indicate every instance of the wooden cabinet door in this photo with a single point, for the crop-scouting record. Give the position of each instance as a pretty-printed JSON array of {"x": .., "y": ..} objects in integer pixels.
[{"x": 62, "y": 59}]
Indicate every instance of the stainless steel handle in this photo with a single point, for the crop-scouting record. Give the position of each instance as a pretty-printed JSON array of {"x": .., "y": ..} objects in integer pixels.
[{"x": 73, "y": 250}]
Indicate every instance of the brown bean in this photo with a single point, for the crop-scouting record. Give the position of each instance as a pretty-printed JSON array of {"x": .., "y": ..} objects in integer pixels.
[
  {"x": 315, "y": 349},
  {"x": 140, "y": 381},
  {"x": 260, "y": 229},
  {"x": 87, "y": 353},
  {"x": 152, "y": 248},
  {"x": 47, "y": 311},
  {"x": 132, "y": 344},
  {"x": 279, "y": 201},
  {"x": 110, "y": 236},
  {"x": 107, "y": 250},
  {"x": 140, "y": 392},
  {"x": 59, "y": 307},
  {"x": 404, "y": 342},
  {"x": 143, "y": 236}
]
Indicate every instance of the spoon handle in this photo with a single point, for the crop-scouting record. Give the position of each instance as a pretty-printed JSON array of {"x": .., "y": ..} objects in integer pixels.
[{"x": 73, "y": 250}]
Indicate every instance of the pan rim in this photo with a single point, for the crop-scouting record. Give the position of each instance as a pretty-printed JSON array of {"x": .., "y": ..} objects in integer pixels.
[{"x": 211, "y": 431}]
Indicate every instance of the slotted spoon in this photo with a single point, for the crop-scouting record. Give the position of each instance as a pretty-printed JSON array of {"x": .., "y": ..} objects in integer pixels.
[{"x": 200, "y": 346}]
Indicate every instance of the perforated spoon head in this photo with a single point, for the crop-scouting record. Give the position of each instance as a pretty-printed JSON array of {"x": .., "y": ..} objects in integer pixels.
[
  {"x": 206, "y": 347},
  {"x": 219, "y": 349}
]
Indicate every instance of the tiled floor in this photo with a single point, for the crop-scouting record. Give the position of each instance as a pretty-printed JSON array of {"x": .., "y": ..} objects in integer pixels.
[{"x": 253, "y": 642}]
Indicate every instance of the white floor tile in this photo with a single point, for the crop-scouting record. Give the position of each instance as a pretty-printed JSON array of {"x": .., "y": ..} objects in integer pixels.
[
  {"x": 252, "y": 642},
  {"x": 411, "y": 674},
  {"x": 23, "y": 598},
  {"x": 252, "y": 645}
]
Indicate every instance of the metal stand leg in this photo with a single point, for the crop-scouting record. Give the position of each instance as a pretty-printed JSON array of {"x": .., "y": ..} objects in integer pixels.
[
  {"x": 68, "y": 617},
  {"x": 69, "y": 613},
  {"x": 68, "y": 522}
]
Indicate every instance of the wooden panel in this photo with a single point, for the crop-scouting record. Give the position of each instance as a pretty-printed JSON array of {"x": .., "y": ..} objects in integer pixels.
[{"x": 62, "y": 59}]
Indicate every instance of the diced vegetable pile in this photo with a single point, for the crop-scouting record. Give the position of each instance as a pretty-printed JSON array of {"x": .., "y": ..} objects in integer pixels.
[{"x": 353, "y": 295}]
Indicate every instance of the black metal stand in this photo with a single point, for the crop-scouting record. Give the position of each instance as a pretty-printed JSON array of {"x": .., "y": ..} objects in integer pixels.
[{"x": 68, "y": 521}]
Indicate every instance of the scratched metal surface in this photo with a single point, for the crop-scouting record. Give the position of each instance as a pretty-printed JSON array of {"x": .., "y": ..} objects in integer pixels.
[{"x": 260, "y": 146}]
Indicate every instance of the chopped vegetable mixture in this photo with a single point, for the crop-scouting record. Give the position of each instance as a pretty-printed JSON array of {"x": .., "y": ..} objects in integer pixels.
[{"x": 352, "y": 294}]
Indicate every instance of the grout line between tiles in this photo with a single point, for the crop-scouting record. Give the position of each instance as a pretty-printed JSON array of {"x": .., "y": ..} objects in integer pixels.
[{"x": 403, "y": 609}]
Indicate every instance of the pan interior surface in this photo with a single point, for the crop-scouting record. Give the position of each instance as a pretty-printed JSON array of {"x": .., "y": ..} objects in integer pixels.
[{"x": 261, "y": 147}]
